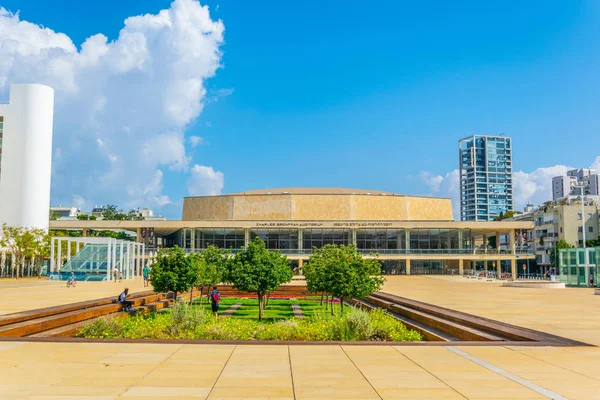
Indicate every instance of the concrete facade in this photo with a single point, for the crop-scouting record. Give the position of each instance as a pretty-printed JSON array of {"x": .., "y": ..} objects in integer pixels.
[{"x": 317, "y": 204}]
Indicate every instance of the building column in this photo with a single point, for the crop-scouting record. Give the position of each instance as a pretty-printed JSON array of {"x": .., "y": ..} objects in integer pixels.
[
  {"x": 461, "y": 268},
  {"x": 68, "y": 249},
  {"x": 513, "y": 268},
  {"x": 300, "y": 241},
  {"x": 108, "y": 259},
  {"x": 485, "y": 246},
  {"x": 300, "y": 263},
  {"x": 407, "y": 241},
  {"x": 246, "y": 237},
  {"x": 499, "y": 268},
  {"x": 52, "y": 259},
  {"x": 353, "y": 234},
  {"x": 408, "y": 266},
  {"x": 513, "y": 247},
  {"x": 143, "y": 263},
  {"x": 84, "y": 232},
  {"x": 485, "y": 268},
  {"x": 193, "y": 240},
  {"x": 59, "y": 255}
]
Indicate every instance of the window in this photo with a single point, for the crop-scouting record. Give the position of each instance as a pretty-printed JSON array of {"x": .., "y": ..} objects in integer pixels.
[
  {"x": 591, "y": 229},
  {"x": 561, "y": 229},
  {"x": 579, "y": 216},
  {"x": 277, "y": 239},
  {"x": 579, "y": 229},
  {"x": 589, "y": 215}
]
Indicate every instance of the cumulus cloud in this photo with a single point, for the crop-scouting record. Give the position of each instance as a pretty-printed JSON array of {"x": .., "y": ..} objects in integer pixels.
[
  {"x": 121, "y": 106},
  {"x": 205, "y": 181},
  {"x": 534, "y": 186},
  {"x": 447, "y": 185}
]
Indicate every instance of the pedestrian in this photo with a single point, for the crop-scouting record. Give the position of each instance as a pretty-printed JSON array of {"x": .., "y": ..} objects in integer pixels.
[
  {"x": 146, "y": 272},
  {"x": 115, "y": 274},
  {"x": 124, "y": 302},
  {"x": 215, "y": 298},
  {"x": 591, "y": 280}
]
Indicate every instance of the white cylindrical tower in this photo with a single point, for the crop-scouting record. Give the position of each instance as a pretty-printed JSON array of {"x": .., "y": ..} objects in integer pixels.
[{"x": 26, "y": 156}]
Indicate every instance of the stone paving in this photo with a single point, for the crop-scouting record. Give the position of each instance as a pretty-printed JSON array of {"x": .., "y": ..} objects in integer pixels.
[{"x": 193, "y": 371}]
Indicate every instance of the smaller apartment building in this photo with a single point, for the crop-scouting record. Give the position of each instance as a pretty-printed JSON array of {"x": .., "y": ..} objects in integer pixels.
[{"x": 556, "y": 221}]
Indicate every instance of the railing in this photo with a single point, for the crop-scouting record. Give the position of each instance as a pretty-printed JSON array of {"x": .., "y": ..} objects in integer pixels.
[{"x": 400, "y": 251}]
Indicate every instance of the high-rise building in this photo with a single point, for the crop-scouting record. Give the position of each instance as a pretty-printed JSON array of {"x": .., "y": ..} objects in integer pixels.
[
  {"x": 566, "y": 186},
  {"x": 486, "y": 188},
  {"x": 26, "y": 156}
]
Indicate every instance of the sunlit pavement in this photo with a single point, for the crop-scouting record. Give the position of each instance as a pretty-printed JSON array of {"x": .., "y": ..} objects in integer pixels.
[{"x": 173, "y": 371}]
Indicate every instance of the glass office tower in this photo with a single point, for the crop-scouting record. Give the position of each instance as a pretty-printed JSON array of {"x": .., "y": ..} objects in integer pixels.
[{"x": 486, "y": 188}]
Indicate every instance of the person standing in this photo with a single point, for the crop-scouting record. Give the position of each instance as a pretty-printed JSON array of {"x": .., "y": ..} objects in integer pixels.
[
  {"x": 215, "y": 298},
  {"x": 146, "y": 272},
  {"x": 115, "y": 274}
]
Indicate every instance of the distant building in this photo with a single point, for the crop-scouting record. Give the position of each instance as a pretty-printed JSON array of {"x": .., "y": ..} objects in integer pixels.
[
  {"x": 26, "y": 156},
  {"x": 65, "y": 211},
  {"x": 556, "y": 221},
  {"x": 486, "y": 187},
  {"x": 566, "y": 186}
]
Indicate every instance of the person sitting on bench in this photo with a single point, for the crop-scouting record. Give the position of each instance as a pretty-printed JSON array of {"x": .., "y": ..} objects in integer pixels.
[{"x": 124, "y": 302}]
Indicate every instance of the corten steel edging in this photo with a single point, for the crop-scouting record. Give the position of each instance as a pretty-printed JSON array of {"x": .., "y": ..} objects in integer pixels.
[
  {"x": 22, "y": 316},
  {"x": 511, "y": 332},
  {"x": 283, "y": 342}
]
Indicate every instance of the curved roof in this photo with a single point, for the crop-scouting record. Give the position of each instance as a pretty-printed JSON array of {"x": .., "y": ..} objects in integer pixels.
[{"x": 312, "y": 190}]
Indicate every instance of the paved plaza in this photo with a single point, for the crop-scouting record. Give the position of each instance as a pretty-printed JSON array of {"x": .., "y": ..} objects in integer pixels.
[{"x": 192, "y": 371}]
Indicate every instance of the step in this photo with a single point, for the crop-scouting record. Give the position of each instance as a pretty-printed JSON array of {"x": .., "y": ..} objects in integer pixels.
[
  {"x": 493, "y": 327},
  {"x": 429, "y": 334},
  {"x": 36, "y": 325},
  {"x": 48, "y": 311},
  {"x": 155, "y": 306},
  {"x": 449, "y": 327},
  {"x": 69, "y": 330}
]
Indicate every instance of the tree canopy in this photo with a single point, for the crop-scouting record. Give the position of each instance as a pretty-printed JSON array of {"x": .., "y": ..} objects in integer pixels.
[
  {"x": 25, "y": 243},
  {"x": 113, "y": 213},
  {"x": 173, "y": 271},
  {"x": 343, "y": 272},
  {"x": 258, "y": 270},
  {"x": 212, "y": 263},
  {"x": 554, "y": 251}
]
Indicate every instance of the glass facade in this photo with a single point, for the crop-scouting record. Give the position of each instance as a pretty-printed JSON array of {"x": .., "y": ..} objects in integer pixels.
[
  {"x": 320, "y": 237},
  {"x": 576, "y": 265},
  {"x": 485, "y": 177},
  {"x": 91, "y": 263},
  {"x": 277, "y": 239},
  {"x": 222, "y": 238},
  {"x": 380, "y": 239}
]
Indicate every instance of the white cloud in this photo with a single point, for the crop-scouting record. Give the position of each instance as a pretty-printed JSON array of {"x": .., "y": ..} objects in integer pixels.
[
  {"x": 205, "y": 181},
  {"x": 121, "y": 107},
  {"x": 534, "y": 186},
  {"x": 447, "y": 185},
  {"x": 195, "y": 140},
  {"x": 78, "y": 201}
]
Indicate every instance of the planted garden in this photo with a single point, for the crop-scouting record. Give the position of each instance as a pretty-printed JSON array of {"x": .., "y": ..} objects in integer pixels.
[{"x": 337, "y": 274}]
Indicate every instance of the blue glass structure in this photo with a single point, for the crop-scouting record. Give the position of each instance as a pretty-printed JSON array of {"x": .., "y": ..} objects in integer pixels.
[{"x": 486, "y": 187}]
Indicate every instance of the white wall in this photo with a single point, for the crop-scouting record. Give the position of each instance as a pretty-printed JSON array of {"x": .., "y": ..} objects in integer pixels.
[{"x": 27, "y": 156}]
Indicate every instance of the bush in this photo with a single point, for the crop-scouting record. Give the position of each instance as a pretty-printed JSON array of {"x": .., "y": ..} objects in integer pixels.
[
  {"x": 359, "y": 324},
  {"x": 228, "y": 329},
  {"x": 280, "y": 330},
  {"x": 103, "y": 327},
  {"x": 386, "y": 327},
  {"x": 186, "y": 317}
]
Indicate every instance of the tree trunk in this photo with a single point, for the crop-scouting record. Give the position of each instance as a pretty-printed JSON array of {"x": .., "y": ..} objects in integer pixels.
[
  {"x": 191, "y": 295},
  {"x": 342, "y": 306},
  {"x": 322, "y": 293},
  {"x": 259, "y": 307},
  {"x": 268, "y": 298},
  {"x": 332, "y": 311},
  {"x": 326, "y": 301}
]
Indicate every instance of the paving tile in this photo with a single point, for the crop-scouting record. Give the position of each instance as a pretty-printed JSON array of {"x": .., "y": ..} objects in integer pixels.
[
  {"x": 418, "y": 394},
  {"x": 150, "y": 392},
  {"x": 251, "y": 393},
  {"x": 492, "y": 389},
  {"x": 336, "y": 392}
]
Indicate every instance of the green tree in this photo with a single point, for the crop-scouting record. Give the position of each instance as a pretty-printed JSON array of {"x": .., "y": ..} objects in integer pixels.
[
  {"x": 83, "y": 217},
  {"x": 346, "y": 273},
  {"x": 554, "y": 252},
  {"x": 21, "y": 242},
  {"x": 258, "y": 270},
  {"x": 314, "y": 274},
  {"x": 54, "y": 215},
  {"x": 212, "y": 264},
  {"x": 173, "y": 271}
]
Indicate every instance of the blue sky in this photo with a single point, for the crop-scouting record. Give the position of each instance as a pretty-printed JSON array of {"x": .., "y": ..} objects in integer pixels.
[{"x": 372, "y": 95}]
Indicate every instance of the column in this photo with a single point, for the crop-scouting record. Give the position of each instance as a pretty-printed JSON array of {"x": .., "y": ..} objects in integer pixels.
[
  {"x": 68, "y": 249},
  {"x": 193, "y": 240},
  {"x": 300, "y": 242},
  {"x": 407, "y": 243},
  {"x": 52, "y": 260},
  {"x": 84, "y": 232},
  {"x": 353, "y": 232},
  {"x": 513, "y": 268},
  {"x": 461, "y": 268},
  {"x": 300, "y": 263},
  {"x": 498, "y": 242},
  {"x": 499, "y": 268},
  {"x": 408, "y": 266},
  {"x": 59, "y": 255},
  {"x": 143, "y": 263},
  {"x": 246, "y": 237},
  {"x": 485, "y": 268},
  {"x": 138, "y": 233},
  {"x": 108, "y": 259},
  {"x": 485, "y": 246},
  {"x": 121, "y": 258}
]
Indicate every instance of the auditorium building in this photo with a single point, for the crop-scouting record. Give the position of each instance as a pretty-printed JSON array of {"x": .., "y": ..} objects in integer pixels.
[{"x": 410, "y": 234}]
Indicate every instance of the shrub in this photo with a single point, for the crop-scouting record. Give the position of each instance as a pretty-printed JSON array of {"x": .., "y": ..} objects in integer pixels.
[
  {"x": 186, "y": 317},
  {"x": 386, "y": 327},
  {"x": 103, "y": 327},
  {"x": 228, "y": 329},
  {"x": 280, "y": 330},
  {"x": 359, "y": 324}
]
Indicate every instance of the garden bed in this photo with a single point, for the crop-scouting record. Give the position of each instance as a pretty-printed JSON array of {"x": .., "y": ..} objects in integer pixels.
[{"x": 195, "y": 322}]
